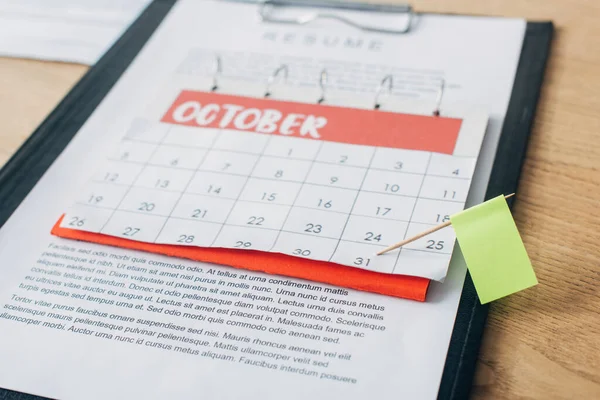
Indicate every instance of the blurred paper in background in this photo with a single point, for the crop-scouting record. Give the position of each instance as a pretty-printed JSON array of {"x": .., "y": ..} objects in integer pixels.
[{"x": 77, "y": 31}]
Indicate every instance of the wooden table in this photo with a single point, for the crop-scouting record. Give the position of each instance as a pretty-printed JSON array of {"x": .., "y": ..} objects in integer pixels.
[{"x": 542, "y": 343}]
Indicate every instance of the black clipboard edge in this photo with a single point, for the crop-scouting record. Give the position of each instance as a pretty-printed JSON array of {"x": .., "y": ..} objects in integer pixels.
[
  {"x": 465, "y": 341},
  {"x": 29, "y": 163}
]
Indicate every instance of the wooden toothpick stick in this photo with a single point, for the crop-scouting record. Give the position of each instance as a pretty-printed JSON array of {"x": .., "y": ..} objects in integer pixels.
[{"x": 422, "y": 234}]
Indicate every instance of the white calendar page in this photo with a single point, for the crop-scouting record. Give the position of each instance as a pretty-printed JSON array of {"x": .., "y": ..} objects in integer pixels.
[{"x": 334, "y": 182}]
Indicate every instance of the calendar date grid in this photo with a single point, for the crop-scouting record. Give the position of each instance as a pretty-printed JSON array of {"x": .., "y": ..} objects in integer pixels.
[
  {"x": 166, "y": 215},
  {"x": 283, "y": 158},
  {"x": 311, "y": 184},
  {"x": 290, "y": 224},
  {"x": 156, "y": 146},
  {"x": 411, "y": 214},
  {"x": 260, "y": 227}
]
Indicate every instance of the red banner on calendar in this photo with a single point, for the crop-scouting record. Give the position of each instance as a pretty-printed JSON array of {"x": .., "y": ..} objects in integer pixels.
[{"x": 315, "y": 121}]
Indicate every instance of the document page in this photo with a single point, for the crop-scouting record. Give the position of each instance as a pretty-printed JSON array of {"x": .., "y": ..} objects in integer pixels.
[
  {"x": 64, "y": 30},
  {"x": 84, "y": 321}
]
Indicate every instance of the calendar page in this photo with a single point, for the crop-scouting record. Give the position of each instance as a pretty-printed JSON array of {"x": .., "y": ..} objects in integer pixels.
[{"x": 323, "y": 182}]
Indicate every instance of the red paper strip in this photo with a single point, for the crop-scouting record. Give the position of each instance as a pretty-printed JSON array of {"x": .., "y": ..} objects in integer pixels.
[
  {"x": 408, "y": 287},
  {"x": 315, "y": 121}
]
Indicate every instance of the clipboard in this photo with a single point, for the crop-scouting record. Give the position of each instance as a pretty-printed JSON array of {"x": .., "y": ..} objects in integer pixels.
[{"x": 29, "y": 163}]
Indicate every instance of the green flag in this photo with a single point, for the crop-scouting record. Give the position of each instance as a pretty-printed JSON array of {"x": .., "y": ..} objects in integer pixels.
[{"x": 493, "y": 250}]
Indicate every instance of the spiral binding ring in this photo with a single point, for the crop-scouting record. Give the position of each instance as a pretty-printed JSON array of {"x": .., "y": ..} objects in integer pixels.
[
  {"x": 440, "y": 96},
  {"x": 323, "y": 85},
  {"x": 217, "y": 73},
  {"x": 283, "y": 68},
  {"x": 389, "y": 79}
]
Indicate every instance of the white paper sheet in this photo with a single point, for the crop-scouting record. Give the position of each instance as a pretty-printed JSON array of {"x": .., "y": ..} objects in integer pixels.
[
  {"x": 64, "y": 30},
  {"x": 395, "y": 348}
]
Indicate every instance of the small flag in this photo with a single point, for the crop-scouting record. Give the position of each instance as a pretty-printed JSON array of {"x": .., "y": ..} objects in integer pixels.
[{"x": 493, "y": 250}]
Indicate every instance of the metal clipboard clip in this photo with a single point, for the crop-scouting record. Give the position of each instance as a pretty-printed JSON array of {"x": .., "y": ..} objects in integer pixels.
[{"x": 267, "y": 8}]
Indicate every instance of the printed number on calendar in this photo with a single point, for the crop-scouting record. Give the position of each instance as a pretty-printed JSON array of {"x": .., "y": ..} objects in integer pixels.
[
  {"x": 130, "y": 231},
  {"x": 302, "y": 252},
  {"x": 198, "y": 213},
  {"x": 144, "y": 206},
  {"x": 324, "y": 203},
  {"x": 111, "y": 177},
  {"x": 435, "y": 245},
  {"x": 372, "y": 237},
  {"x": 269, "y": 196},
  {"x": 162, "y": 183},
  {"x": 442, "y": 218},
  {"x": 77, "y": 221},
  {"x": 185, "y": 239},
  {"x": 95, "y": 199},
  {"x": 214, "y": 189},
  {"x": 313, "y": 228},
  {"x": 392, "y": 187},
  {"x": 255, "y": 220},
  {"x": 449, "y": 194},
  {"x": 362, "y": 261},
  {"x": 383, "y": 210}
]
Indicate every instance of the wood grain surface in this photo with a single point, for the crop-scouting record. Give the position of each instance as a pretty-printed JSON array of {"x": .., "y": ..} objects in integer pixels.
[{"x": 543, "y": 343}]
